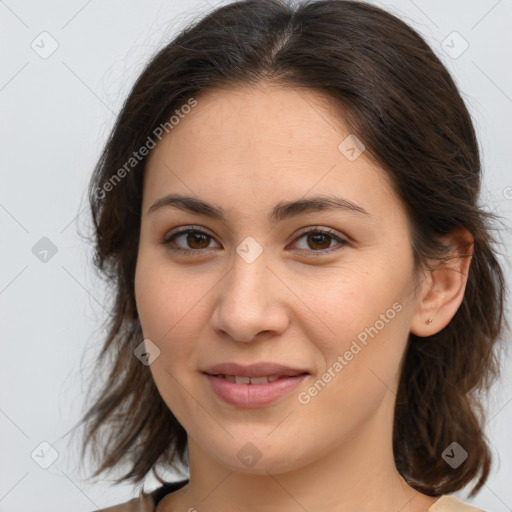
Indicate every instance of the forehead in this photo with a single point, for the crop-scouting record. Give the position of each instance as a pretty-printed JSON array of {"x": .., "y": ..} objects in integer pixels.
[
  {"x": 266, "y": 141},
  {"x": 270, "y": 113}
]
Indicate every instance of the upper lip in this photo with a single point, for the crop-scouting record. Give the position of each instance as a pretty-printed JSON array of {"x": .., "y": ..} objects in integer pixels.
[{"x": 254, "y": 370}]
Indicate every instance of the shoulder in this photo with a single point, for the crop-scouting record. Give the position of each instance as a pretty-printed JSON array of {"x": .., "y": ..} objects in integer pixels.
[
  {"x": 144, "y": 503},
  {"x": 449, "y": 503}
]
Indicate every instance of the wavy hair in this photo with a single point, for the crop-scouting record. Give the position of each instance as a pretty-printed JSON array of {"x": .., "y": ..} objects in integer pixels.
[{"x": 399, "y": 99}]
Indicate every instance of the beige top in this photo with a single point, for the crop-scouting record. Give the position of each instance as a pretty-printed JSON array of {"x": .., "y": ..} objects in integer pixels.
[{"x": 145, "y": 503}]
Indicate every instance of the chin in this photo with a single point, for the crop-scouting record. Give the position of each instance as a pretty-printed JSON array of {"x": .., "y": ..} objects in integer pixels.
[{"x": 259, "y": 457}]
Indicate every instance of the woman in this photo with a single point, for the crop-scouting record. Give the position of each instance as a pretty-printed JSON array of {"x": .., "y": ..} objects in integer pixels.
[{"x": 308, "y": 299}]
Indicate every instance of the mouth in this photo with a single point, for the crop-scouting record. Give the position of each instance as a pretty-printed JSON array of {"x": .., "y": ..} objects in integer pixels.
[
  {"x": 255, "y": 385},
  {"x": 271, "y": 371},
  {"x": 240, "y": 379}
]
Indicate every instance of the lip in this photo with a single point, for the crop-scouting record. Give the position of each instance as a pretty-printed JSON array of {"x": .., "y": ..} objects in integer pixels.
[
  {"x": 253, "y": 395},
  {"x": 254, "y": 370}
]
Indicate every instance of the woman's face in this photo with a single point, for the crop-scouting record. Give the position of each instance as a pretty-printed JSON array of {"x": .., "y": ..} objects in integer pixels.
[{"x": 334, "y": 307}]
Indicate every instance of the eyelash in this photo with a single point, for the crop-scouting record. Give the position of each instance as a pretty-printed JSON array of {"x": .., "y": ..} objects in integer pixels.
[{"x": 172, "y": 236}]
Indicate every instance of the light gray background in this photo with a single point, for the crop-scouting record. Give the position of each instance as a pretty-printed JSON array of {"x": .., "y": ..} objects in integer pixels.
[{"x": 57, "y": 112}]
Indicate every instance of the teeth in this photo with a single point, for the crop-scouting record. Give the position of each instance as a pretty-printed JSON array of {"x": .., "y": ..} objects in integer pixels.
[
  {"x": 259, "y": 380},
  {"x": 249, "y": 380}
]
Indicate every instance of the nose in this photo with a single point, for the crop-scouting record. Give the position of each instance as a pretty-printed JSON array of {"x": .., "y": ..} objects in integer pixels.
[{"x": 250, "y": 302}]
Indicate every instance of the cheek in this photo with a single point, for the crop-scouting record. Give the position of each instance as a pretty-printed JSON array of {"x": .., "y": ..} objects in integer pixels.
[
  {"x": 172, "y": 309},
  {"x": 164, "y": 303},
  {"x": 168, "y": 299},
  {"x": 361, "y": 329},
  {"x": 352, "y": 301},
  {"x": 360, "y": 362}
]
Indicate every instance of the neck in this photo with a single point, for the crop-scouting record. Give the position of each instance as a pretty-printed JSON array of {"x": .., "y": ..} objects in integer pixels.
[{"x": 358, "y": 475}]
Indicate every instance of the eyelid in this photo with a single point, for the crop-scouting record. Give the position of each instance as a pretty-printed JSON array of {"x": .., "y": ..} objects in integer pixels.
[{"x": 186, "y": 229}]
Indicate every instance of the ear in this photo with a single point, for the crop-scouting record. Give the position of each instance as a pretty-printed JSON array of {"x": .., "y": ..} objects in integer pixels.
[{"x": 442, "y": 289}]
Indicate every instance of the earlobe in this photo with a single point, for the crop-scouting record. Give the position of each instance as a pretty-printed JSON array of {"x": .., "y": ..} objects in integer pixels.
[{"x": 443, "y": 288}]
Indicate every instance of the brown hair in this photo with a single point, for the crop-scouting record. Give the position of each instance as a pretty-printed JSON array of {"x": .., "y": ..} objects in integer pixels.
[{"x": 399, "y": 99}]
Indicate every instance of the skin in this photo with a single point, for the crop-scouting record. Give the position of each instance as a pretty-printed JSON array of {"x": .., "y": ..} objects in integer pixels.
[{"x": 246, "y": 149}]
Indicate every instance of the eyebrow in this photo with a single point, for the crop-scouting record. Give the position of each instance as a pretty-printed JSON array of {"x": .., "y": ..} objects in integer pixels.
[{"x": 281, "y": 211}]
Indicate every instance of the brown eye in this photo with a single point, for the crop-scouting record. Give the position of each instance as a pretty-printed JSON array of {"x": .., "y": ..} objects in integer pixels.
[
  {"x": 195, "y": 237},
  {"x": 190, "y": 240},
  {"x": 317, "y": 241},
  {"x": 320, "y": 240}
]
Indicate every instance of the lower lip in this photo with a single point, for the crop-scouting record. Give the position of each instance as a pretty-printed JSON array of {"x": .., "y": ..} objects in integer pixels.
[{"x": 253, "y": 395}]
